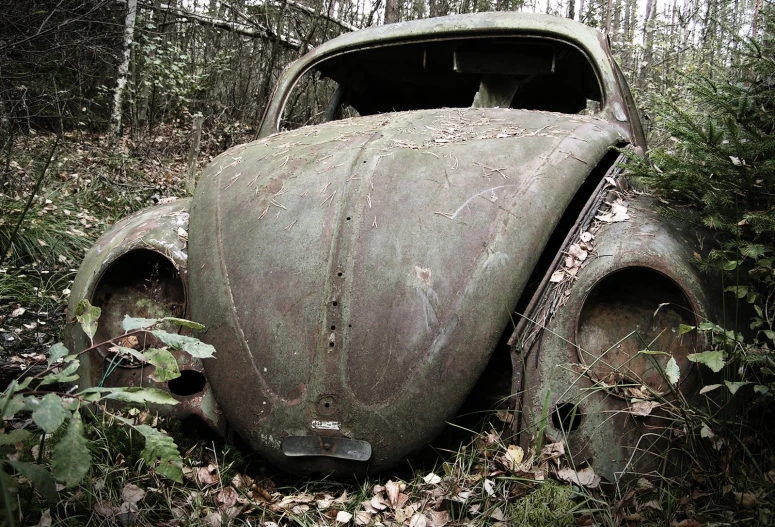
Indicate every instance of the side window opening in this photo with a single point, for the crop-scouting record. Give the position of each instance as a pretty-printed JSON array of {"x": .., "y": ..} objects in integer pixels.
[{"x": 532, "y": 74}]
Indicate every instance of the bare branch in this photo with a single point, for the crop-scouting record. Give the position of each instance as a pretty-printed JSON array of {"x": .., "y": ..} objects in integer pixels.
[{"x": 257, "y": 31}]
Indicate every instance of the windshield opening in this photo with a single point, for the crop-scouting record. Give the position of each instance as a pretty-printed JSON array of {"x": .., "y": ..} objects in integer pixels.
[{"x": 532, "y": 74}]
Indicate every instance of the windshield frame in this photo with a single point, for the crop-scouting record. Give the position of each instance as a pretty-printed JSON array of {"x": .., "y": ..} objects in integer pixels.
[{"x": 591, "y": 43}]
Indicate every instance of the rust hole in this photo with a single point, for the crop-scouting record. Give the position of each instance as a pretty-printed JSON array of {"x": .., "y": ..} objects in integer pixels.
[
  {"x": 627, "y": 311},
  {"x": 190, "y": 382},
  {"x": 566, "y": 417}
]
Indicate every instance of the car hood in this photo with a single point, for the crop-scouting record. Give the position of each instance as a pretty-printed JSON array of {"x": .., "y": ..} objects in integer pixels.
[{"x": 355, "y": 276}]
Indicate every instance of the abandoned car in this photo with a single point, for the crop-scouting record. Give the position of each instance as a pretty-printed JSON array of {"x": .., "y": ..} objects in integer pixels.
[{"x": 419, "y": 193}]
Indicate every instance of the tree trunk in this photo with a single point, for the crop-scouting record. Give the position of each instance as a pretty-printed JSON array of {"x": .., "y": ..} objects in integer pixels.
[
  {"x": 392, "y": 11},
  {"x": 123, "y": 71},
  {"x": 571, "y": 9}
]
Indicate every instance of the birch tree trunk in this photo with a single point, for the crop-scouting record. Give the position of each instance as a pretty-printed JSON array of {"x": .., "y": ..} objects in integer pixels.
[{"x": 123, "y": 71}]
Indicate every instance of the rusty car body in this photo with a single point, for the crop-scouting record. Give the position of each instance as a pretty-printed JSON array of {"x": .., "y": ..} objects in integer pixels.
[{"x": 356, "y": 274}]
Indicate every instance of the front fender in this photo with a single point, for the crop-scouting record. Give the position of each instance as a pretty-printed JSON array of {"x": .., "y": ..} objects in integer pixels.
[{"x": 140, "y": 268}]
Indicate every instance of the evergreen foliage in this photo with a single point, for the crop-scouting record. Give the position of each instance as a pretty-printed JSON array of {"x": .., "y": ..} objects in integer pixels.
[{"x": 721, "y": 162}]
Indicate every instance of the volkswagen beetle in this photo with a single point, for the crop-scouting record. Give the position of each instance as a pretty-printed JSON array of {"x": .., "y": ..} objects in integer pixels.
[{"x": 417, "y": 190}]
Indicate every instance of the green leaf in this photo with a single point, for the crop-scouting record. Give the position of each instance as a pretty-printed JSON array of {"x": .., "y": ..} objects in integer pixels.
[
  {"x": 66, "y": 375},
  {"x": 166, "y": 364},
  {"x": 132, "y": 395},
  {"x": 162, "y": 448},
  {"x": 760, "y": 388},
  {"x": 712, "y": 359},
  {"x": 129, "y": 351},
  {"x": 185, "y": 323},
  {"x": 14, "y": 436},
  {"x": 87, "y": 315},
  {"x": 70, "y": 458},
  {"x": 709, "y": 326},
  {"x": 40, "y": 478},
  {"x": 48, "y": 412},
  {"x": 734, "y": 386},
  {"x": 672, "y": 371},
  {"x": 653, "y": 352},
  {"x": 56, "y": 352},
  {"x": 709, "y": 388},
  {"x": 739, "y": 290},
  {"x": 730, "y": 265},
  {"x": 769, "y": 334},
  {"x": 193, "y": 346},
  {"x": 130, "y": 323},
  {"x": 10, "y": 407},
  {"x": 684, "y": 329}
]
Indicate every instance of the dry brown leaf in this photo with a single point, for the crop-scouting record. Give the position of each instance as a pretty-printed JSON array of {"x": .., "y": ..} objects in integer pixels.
[
  {"x": 45, "y": 519},
  {"x": 378, "y": 503},
  {"x": 227, "y": 497},
  {"x": 643, "y": 408},
  {"x": 131, "y": 493},
  {"x": 586, "y": 237},
  {"x": 585, "y": 477},
  {"x": 514, "y": 456},
  {"x": 687, "y": 523},
  {"x": 241, "y": 481},
  {"x": 633, "y": 518},
  {"x": 432, "y": 479},
  {"x": 746, "y": 499},
  {"x": 438, "y": 518},
  {"x": 553, "y": 451},
  {"x": 392, "y": 489},
  {"x": 362, "y": 518},
  {"x": 557, "y": 276},
  {"x": 207, "y": 475},
  {"x": 577, "y": 252},
  {"x": 418, "y": 520},
  {"x": 343, "y": 517},
  {"x": 105, "y": 509},
  {"x": 497, "y": 515}
]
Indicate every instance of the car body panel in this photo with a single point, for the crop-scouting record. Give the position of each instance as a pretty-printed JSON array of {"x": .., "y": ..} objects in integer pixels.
[{"x": 361, "y": 272}]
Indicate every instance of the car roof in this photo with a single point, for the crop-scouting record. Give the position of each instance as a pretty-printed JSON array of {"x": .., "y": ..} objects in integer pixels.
[{"x": 501, "y": 23}]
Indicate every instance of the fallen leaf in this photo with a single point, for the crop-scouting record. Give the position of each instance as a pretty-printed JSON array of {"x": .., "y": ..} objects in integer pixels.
[
  {"x": 207, "y": 475},
  {"x": 392, "y": 489},
  {"x": 131, "y": 493},
  {"x": 418, "y": 520},
  {"x": 514, "y": 455},
  {"x": 105, "y": 509},
  {"x": 378, "y": 503},
  {"x": 557, "y": 276},
  {"x": 746, "y": 499},
  {"x": 432, "y": 479},
  {"x": 439, "y": 518},
  {"x": 498, "y": 515},
  {"x": 19, "y": 311},
  {"x": 553, "y": 451},
  {"x": 586, "y": 237},
  {"x": 489, "y": 487},
  {"x": 577, "y": 252},
  {"x": 585, "y": 477},
  {"x": 643, "y": 408},
  {"x": 343, "y": 517},
  {"x": 45, "y": 519},
  {"x": 362, "y": 518},
  {"x": 227, "y": 497}
]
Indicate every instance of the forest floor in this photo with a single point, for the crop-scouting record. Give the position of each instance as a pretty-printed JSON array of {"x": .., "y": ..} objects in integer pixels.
[{"x": 485, "y": 480}]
